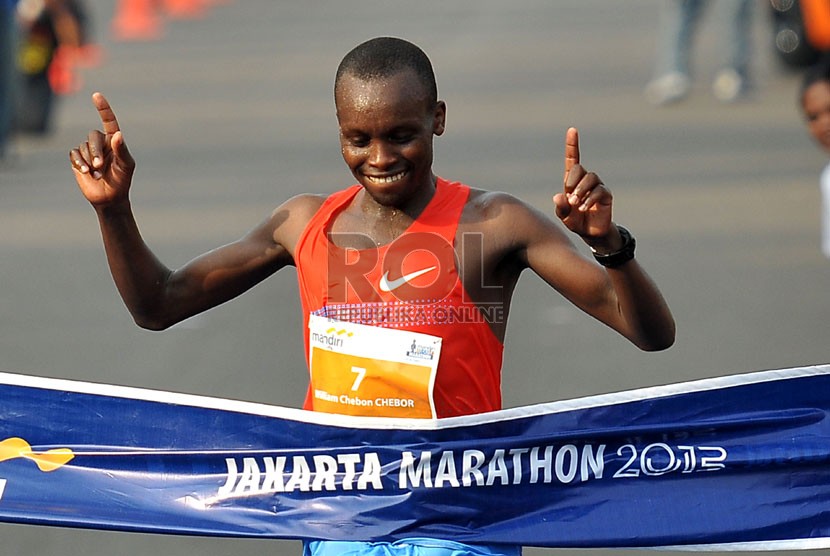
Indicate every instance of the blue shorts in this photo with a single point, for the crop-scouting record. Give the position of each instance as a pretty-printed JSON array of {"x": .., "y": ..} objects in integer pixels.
[{"x": 407, "y": 547}]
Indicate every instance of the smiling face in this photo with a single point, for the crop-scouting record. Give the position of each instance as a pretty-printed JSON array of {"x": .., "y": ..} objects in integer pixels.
[
  {"x": 387, "y": 126},
  {"x": 816, "y": 105}
]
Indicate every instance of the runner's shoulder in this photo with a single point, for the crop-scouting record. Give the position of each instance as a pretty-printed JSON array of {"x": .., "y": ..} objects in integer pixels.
[
  {"x": 494, "y": 208},
  {"x": 288, "y": 220},
  {"x": 306, "y": 201},
  {"x": 300, "y": 207}
]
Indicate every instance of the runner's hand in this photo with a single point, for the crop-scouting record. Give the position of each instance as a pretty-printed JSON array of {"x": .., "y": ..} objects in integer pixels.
[
  {"x": 584, "y": 205},
  {"x": 102, "y": 164}
]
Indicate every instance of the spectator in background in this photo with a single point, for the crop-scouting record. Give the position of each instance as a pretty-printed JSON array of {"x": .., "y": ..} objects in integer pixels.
[
  {"x": 53, "y": 36},
  {"x": 673, "y": 77},
  {"x": 815, "y": 104},
  {"x": 8, "y": 50}
]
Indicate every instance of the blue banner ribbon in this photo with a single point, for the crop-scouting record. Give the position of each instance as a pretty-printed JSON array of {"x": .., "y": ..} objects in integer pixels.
[{"x": 738, "y": 462}]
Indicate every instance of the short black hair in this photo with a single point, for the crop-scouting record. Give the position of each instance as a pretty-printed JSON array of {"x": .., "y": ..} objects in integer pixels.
[{"x": 384, "y": 57}]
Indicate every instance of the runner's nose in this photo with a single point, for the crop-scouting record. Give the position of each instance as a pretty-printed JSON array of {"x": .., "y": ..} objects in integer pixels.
[{"x": 381, "y": 155}]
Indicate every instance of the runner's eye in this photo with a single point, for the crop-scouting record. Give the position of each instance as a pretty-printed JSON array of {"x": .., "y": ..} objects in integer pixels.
[
  {"x": 358, "y": 141},
  {"x": 401, "y": 138}
]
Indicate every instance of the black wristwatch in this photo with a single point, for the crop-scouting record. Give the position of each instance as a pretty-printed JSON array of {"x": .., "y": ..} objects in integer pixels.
[{"x": 618, "y": 258}]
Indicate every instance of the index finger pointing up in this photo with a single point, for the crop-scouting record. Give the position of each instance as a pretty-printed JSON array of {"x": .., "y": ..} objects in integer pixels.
[
  {"x": 571, "y": 149},
  {"x": 106, "y": 114}
]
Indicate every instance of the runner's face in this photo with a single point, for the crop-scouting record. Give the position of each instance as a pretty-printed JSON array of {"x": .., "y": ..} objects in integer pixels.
[
  {"x": 386, "y": 130},
  {"x": 816, "y": 104}
]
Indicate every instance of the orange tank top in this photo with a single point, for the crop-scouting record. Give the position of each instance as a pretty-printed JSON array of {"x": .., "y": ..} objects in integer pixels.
[{"x": 391, "y": 331}]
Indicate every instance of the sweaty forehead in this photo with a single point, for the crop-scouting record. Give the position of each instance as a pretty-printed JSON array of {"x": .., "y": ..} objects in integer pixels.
[{"x": 358, "y": 93}]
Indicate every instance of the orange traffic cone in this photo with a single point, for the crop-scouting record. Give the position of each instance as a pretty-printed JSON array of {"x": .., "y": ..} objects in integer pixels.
[
  {"x": 136, "y": 20},
  {"x": 816, "y": 14},
  {"x": 185, "y": 9}
]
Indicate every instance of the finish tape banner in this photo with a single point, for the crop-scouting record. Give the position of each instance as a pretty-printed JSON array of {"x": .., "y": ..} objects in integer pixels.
[{"x": 739, "y": 462}]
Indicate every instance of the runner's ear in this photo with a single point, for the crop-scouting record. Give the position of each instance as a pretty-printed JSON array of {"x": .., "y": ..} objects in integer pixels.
[{"x": 440, "y": 118}]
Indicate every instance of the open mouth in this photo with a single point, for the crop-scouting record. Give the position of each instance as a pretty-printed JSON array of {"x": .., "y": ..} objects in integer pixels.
[{"x": 383, "y": 180}]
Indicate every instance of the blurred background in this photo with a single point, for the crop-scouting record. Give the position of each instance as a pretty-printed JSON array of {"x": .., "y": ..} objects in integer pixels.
[{"x": 227, "y": 108}]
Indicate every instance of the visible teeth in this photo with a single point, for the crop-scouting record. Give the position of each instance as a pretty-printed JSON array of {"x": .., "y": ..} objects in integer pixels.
[{"x": 388, "y": 179}]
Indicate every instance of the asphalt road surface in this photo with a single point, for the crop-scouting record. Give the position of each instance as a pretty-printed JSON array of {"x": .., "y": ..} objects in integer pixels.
[{"x": 231, "y": 114}]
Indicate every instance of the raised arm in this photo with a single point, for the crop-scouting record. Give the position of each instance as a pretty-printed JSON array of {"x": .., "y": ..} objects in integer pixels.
[
  {"x": 621, "y": 295},
  {"x": 156, "y": 296}
]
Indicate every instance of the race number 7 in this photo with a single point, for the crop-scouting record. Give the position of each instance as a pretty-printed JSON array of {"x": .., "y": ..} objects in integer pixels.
[{"x": 361, "y": 374}]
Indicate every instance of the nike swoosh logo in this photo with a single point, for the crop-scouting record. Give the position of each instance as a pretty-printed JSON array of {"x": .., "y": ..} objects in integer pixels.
[{"x": 388, "y": 286}]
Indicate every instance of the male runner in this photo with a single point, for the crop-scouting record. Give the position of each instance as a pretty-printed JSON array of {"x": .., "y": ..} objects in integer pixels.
[{"x": 430, "y": 265}]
